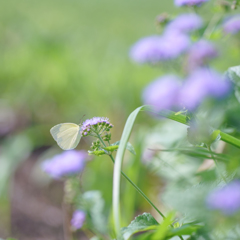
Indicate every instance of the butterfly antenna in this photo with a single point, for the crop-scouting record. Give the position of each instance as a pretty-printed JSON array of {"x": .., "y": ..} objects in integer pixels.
[{"x": 82, "y": 118}]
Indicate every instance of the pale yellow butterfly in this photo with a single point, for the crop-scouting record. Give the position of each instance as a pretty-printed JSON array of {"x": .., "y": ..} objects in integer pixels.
[{"x": 67, "y": 135}]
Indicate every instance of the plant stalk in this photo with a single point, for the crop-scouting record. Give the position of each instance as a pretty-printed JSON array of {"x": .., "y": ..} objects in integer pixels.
[
  {"x": 133, "y": 184},
  {"x": 136, "y": 187}
]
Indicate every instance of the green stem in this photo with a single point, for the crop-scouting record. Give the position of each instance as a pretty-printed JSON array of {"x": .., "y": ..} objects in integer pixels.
[
  {"x": 230, "y": 139},
  {"x": 142, "y": 193},
  {"x": 184, "y": 120},
  {"x": 139, "y": 190},
  {"x": 133, "y": 184},
  {"x": 216, "y": 163},
  {"x": 136, "y": 187}
]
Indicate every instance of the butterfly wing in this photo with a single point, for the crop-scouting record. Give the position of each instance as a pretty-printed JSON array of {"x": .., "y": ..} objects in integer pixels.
[{"x": 67, "y": 135}]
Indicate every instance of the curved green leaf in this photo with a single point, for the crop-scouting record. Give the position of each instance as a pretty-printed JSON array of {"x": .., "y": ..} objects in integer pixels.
[{"x": 118, "y": 165}]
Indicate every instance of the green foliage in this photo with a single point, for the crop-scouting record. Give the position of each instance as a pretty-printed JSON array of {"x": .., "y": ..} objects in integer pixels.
[
  {"x": 164, "y": 227},
  {"x": 185, "y": 229},
  {"x": 233, "y": 73},
  {"x": 141, "y": 223},
  {"x": 199, "y": 152},
  {"x": 150, "y": 228},
  {"x": 111, "y": 148},
  {"x": 200, "y": 133},
  {"x": 97, "y": 152},
  {"x": 129, "y": 147},
  {"x": 215, "y": 136},
  {"x": 93, "y": 203}
]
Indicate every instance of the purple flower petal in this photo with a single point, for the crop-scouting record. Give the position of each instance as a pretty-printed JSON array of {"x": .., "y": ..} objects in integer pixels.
[
  {"x": 78, "y": 219},
  {"x": 162, "y": 93},
  {"x": 185, "y": 23},
  {"x": 226, "y": 199},
  {"x": 66, "y": 163},
  {"x": 98, "y": 124},
  {"x": 232, "y": 25},
  {"x": 147, "y": 49},
  {"x": 174, "y": 44},
  {"x": 202, "y": 83},
  {"x": 180, "y": 3},
  {"x": 159, "y": 48},
  {"x": 200, "y": 52}
]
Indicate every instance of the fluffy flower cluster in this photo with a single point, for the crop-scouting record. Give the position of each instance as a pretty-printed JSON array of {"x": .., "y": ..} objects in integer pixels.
[
  {"x": 168, "y": 46},
  {"x": 232, "y": 25},
  {"x": 203, "y": 83},
  {"x": 180, "y": 3},
  {"x": 162, "y": 93},
  {"x": 226, "y": 199},
  {"x": 154, "y": 49},
  {"x": 65, "y": 164},
  {"x": 185, "y": 23},
  {"x": 95, "y": 125},
  {"x": 78, "y": 219},
  {"x": 167, "y": 93},
  {"x": 200, "y": 53}
]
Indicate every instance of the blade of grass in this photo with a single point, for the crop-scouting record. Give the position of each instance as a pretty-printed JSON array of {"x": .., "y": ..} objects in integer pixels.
[{"x": 118, "y": 165}]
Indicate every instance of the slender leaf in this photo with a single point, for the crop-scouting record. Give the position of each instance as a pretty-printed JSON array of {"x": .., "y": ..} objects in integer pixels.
[
  {"x": 198, "y": 152},
  {"x": 118, "y": 165}
]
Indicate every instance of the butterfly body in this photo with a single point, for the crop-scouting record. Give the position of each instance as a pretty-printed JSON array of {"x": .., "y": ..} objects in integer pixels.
[{"x": 67, "y": 135}]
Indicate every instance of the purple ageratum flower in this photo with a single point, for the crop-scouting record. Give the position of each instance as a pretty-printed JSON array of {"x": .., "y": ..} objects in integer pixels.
[
  {"x": 95, "y": 124},
  {"x": 202, "y": 83},
  {"x": 200, "y": 52},
  {"x": 174, "y": 44},
  {"x": 147, "y": 49},
  {"x": 226, "y": 199},
  {"x": 162, "y": 93},
  {"x": 180, "y": 3},
  {"x": 232, "y": 25},
  {"x": 64, "y": 164},
  {"x": 154, "y": 49},
  {"x": 185, "y": 23},
  {"x": 78, "y": 219},
  {"x": 95, "y": 121}
]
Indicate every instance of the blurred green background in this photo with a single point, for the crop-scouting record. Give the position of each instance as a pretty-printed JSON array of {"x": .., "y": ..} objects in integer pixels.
[{"x": 60, "y": 60}]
